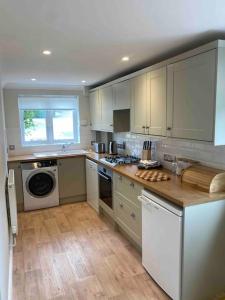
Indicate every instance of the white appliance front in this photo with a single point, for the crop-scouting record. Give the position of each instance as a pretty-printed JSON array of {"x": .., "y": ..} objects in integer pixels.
[
  {"x": 162, "y": 243},
  {"x": 41, "y": 199}
]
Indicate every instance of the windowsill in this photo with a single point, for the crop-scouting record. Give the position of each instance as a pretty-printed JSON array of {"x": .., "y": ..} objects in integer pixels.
[{"x": 50, "y": 145}]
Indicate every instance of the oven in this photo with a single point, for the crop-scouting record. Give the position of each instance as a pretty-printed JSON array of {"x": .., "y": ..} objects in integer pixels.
[{"x": 105, "y": 185}]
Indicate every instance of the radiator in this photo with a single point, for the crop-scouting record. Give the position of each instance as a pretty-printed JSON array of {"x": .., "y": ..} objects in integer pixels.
[{"x": 12, "y": 203}]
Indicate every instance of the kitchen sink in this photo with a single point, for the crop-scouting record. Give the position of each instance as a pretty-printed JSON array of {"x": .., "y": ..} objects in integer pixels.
[{"x": 59, "y": 153}]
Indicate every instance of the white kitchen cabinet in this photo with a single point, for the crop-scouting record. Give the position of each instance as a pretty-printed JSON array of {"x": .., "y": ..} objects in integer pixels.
[
  {"x": 139, "y": 104},
  {"x": 156, "y": 102},
  {"x": 127, "y": 208},
  {"x": 95, "y": 110},
  {"x": 122, "y": 95},
  {"x": 191, "y": 97},
  {"x": 106, "y": 98},
  {"x": 92, "y": 184},
  {"x": 148, "y": 108}
]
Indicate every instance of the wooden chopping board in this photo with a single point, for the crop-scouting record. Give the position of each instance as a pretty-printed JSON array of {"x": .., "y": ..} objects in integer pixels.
[{"x": 153, "y": 175}]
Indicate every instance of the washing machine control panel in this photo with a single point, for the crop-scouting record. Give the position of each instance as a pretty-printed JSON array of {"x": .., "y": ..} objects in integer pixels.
[
  {"x": 39, "y": 164},
  {"x": 46, "y": 163}
]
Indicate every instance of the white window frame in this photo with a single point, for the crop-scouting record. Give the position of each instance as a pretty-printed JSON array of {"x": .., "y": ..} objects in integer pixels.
[{"x": 49, "y": 128}]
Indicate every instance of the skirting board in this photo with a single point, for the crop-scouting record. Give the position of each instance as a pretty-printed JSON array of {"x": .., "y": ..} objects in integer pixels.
[
  {"x": 79, "y": 198},
  {"x": 10, "y": 280}
]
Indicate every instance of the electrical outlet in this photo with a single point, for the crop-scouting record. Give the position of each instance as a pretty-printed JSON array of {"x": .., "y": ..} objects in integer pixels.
[
  {"x": 169, "y": 157},
  {"x": 121, "y": 145}
]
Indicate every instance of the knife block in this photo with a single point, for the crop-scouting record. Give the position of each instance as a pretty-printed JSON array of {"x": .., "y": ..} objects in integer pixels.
[{"x": 146, "y": 155}]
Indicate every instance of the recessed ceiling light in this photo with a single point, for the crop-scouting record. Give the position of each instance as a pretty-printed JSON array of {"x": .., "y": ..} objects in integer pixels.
[
  {"x": 83, "y": 81},
  {"x": 47, "y": 52},
  {"x": 125, "y": 58},
  {"x": 33, "y": 79}
]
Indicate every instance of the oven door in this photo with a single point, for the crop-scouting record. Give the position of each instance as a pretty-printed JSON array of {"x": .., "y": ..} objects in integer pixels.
[{"x": 105, "y": 188}]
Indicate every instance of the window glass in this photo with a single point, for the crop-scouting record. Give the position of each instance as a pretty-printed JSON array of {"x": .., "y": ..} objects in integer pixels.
[
  {"x": 63, "y": 127},
  {"x": 35, "y": 125},
  {"x": 48, "y": 120}
]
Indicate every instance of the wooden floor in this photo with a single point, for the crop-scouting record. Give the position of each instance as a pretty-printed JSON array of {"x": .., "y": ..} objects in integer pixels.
[{"x": 68, "y": 252}]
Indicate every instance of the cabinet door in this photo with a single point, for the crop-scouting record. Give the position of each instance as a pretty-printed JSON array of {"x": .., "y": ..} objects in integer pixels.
[
  {"x": 92, "y": 184},
  {"x": 72, "y": 179},
  {"x": 106, "y": 97},
  {"x": 138, "y": 103},
  {"x": 156, "y": 102},
  {"x": 95, "y": 110},
  {"x": 121, "y": 95},
  {"x": 191, "y": 97}
]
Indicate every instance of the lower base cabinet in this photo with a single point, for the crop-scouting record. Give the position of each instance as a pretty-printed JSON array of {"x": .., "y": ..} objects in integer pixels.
[
  {"x": 92, "y": 184},
  {"x": 72, "y": 179},
  {"x": 127, "y": 208}
]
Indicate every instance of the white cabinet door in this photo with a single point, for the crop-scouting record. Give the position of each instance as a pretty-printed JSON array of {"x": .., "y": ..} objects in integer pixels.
[
  {"x": 138, "y": 103},
  {"x": 95, "y": 110},
  {"x": 121, "y": 95},
  {"x": 156, "y": 102},
  {"x": 161, "y": 247},
  {"x": 92, "y": 184},
  {"x": 191, "y": 97},
  {"x": 106, "y": 97}
]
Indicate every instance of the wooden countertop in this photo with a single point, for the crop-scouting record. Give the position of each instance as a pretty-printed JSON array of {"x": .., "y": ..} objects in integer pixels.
[
  {"x": 173, "y": 190},
  {"x": 31, "y": 157}
]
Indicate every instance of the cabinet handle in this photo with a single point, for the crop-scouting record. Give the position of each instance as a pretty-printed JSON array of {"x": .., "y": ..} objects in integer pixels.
[
  {"x": 120, "y": 178},
  {"x": 147, "y": 127},
  {"x": 121, "y": 205},
  {"x": 132, "y": 184},
  {"x": 111, "y": 125},
  {"x": 144, "y": 129},
  {"x": 132, "y": 215},
  {"x": 59, "y": 163},
  {"x": 168, "y": 128}
]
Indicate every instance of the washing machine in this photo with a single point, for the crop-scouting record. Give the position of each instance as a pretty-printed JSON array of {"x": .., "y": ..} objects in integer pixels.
[{"x": 40, "y": 184}]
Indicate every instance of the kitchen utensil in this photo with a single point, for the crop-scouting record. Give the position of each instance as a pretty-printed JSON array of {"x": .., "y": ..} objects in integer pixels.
[
  {"x": 99, "y": 147},
  {"x": 112, "y": 147}
]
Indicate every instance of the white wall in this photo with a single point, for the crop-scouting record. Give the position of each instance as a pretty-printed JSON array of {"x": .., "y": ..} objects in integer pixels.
[
  {"x": 4, "y": 235},
  {"x": 12, "y": 119},
  {"x": 206, "y": 153}
]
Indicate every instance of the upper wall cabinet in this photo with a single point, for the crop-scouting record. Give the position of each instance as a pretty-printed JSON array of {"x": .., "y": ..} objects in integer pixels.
[
  {"x": 156, "y": 102},
  {"x": 184, "y": 98},
  {"x": 101, "y": 103},
  {"x": 121, "y": 95},
  {"x": 148, "y": 109},
  {"x": 139, "y": 104},
  {"x": 95, "y": 110},
  {"x": 191, "y": 97},
  {"x": 106, "y": 98}
]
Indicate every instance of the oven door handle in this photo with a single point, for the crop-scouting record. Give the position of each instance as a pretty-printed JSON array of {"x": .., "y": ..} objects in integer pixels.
[{"x": 104, "y": 176}]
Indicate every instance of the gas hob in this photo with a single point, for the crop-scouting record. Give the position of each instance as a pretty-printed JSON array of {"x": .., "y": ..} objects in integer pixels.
[{"x": 119, "y": 160}]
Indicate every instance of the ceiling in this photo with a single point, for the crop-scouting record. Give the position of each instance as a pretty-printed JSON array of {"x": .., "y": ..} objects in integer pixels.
[{"x": 88, "y": 37}]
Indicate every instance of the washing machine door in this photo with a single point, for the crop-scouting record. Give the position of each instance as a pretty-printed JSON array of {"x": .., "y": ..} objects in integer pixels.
[{"x": 40, "y": 184}]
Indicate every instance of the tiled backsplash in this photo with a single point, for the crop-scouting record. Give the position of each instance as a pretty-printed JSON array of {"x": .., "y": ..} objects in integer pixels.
[{"x": 206, "y": 153}]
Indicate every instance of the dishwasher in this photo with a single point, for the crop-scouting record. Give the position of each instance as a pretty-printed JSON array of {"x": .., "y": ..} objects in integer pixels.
[{"x": 162, "y": 242}]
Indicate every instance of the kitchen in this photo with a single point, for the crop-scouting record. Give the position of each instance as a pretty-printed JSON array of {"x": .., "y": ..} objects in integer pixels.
[{"x": 115, "y": 185}]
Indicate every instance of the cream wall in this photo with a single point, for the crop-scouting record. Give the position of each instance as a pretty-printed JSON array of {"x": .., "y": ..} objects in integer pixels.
[
  {"x": 13, "y": 127},
  {"x": 4, "y": 232}
]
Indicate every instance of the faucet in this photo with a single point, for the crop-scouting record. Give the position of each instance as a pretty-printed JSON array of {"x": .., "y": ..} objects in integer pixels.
[{"x": 66, "y": 146}]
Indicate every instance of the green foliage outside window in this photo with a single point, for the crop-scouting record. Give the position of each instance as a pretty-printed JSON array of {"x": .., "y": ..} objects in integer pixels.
[{"x": 29, "y": 115}]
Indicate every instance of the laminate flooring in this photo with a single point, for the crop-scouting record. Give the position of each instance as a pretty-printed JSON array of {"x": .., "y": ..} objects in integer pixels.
[{"x": 70, "y": 253}]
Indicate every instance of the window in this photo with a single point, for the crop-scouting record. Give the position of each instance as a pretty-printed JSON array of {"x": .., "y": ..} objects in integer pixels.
[{"x": 48, "y": 120}]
